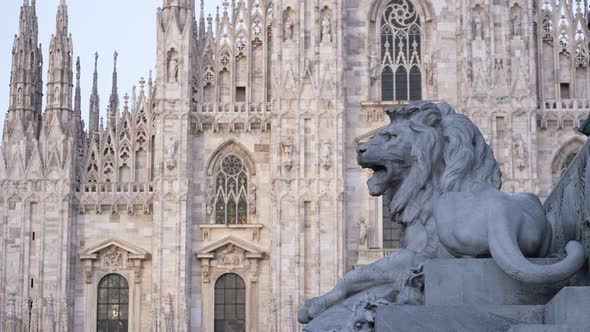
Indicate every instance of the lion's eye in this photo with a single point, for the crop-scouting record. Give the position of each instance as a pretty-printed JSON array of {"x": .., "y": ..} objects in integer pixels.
[{"x": 392, "y": 135}]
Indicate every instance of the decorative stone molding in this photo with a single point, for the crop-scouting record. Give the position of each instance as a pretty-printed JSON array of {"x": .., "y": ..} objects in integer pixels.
[
  {"x": 110, "y": 257},
  {"x": 208, "y": 231},
  {"x": 228, "y": 255},
  {"x": 113, "y": 256}
]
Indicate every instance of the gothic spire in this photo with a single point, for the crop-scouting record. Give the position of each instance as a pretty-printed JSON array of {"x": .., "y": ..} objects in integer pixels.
[
  {"x": 114, "y": 99},
  {"x": 77, "y": 98},
  {"x": 202, "y": 20},
  {"x": 94, "y": 100},
  {"x": 62, "y": 19},
  {"x": 79, "y": 127},
  {"x": 25, "y": 77},
  {"x": 60, "y": 73}
]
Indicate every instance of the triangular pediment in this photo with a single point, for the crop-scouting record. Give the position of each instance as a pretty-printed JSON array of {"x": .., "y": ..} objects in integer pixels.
[
  {"x": 135, "y": 252},
  {"x": 250, "y": 251}
]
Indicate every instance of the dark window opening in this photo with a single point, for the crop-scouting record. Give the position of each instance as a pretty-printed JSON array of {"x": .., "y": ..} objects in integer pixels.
[
  {"x": 392, "y": 231},
  {"x": 113, "y": 304},
  {"x": 230, "y": 304},
  {"x": 240, "y": 94},
  {"x": 564, "y": 90}
]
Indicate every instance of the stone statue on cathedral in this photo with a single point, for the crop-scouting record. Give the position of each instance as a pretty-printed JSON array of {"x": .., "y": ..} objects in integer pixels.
[
  {"x": 326, "y": 29},
  {"x": 289, "y": 29}
]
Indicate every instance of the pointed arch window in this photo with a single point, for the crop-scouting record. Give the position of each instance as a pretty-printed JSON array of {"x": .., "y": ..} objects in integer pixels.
[
  {"x": 401, "y": 52},
  {"x": 231, "y": 191}
]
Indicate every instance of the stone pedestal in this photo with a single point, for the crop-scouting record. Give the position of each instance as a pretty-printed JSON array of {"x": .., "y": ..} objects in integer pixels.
[
  {"x": 481, "y": 282},
  {"x": 475, "y": 295},
  {"x": 428, "y": 318},
  {"x": 571, "y": 305}
]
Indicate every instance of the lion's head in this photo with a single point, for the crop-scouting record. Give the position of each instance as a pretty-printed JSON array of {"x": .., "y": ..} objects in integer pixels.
[{"x": 427, "y": 149}]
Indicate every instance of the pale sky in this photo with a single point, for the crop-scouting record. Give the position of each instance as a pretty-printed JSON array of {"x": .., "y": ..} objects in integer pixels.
[{"x": 103, "y": 26}]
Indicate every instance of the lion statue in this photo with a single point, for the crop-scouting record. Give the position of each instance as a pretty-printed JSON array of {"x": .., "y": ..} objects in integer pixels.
[{"x": 443, "y": 183}]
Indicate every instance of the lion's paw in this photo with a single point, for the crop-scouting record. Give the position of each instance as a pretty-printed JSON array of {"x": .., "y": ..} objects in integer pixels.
[{"x": 311, "y": 309}]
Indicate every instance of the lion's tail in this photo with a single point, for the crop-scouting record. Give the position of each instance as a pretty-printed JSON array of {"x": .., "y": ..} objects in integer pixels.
[{"x": 507, "y": 254}]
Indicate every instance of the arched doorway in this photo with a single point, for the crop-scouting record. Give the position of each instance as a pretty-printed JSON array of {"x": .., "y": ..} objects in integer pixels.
[
  {"x": 113, "y": 304},
  {"x": 230, "y": 304}
]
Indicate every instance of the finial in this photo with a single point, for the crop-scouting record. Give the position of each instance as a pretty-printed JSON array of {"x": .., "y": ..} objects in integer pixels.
[
  {"x": 25, "y": 2},
  {"x": 78, "y": 68},
  {"x": 116, "y": 55},
  {"x": 95, "y": 61},
  {"x": 126, "y": 98}
]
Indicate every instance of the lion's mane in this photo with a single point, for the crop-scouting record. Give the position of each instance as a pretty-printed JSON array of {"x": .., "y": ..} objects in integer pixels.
[{"x": 449, "y": 155}]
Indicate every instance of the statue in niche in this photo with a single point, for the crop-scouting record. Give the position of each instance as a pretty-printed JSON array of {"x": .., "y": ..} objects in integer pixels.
[
  {"x": 57, "y": 97},
  {"x": 210, "y": 199},
  {"x": 374, "y": 66},
  {"x": 287, "y": 153},
  {"x": 363, "y": 232},
  {"x": 516, "y": 22},
  {"x": 478, "y": 24},
  {"x": 170, "y": 152},
  {"x": 289, "y": 27},
  {"x": 327, "y": 155},
  {"x": 252, "y": 200},
  {"x": 326, "y": 29},
  {"x": 19, "y": 96},
  {"x": 173, "y": 69},
  {"x": 519, "y": 154}
]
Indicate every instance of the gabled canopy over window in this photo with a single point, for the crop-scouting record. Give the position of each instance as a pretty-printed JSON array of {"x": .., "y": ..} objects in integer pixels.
[{"x": 401, "y": 52}]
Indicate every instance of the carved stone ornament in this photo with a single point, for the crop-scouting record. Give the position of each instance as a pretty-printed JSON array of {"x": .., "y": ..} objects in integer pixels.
[
  {"x": 287, "y": 153},
  {"x": 289, "y": 27},
  {"x": 171, "y": 150},
  {"x": 252, "y": 199},
  {"x": 326, "y": 29},
  {"x": 137, "y": 274},
  {"x": 169, "y": 314},
  {"x": 327, "y": 152},
  {"x": 114, "y": 258},
  {"x": 11, "y": 305},
  {"x": 88, "y": 275},
  {"x": 210, "y": 199},
  {"x": 231, "y": 257}
]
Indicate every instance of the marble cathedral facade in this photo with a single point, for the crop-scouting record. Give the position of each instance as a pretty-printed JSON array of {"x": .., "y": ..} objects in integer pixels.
[{"x": 222, "y": 193}]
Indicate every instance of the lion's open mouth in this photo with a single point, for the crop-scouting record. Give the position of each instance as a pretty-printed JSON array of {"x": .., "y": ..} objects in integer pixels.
[{"x": 379, "y": 181}]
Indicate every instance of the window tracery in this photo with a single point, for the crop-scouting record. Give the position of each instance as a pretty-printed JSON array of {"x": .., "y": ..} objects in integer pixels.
[
  {"x": 401, "y": 52},
  {"x": 231, "y": 192}
]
